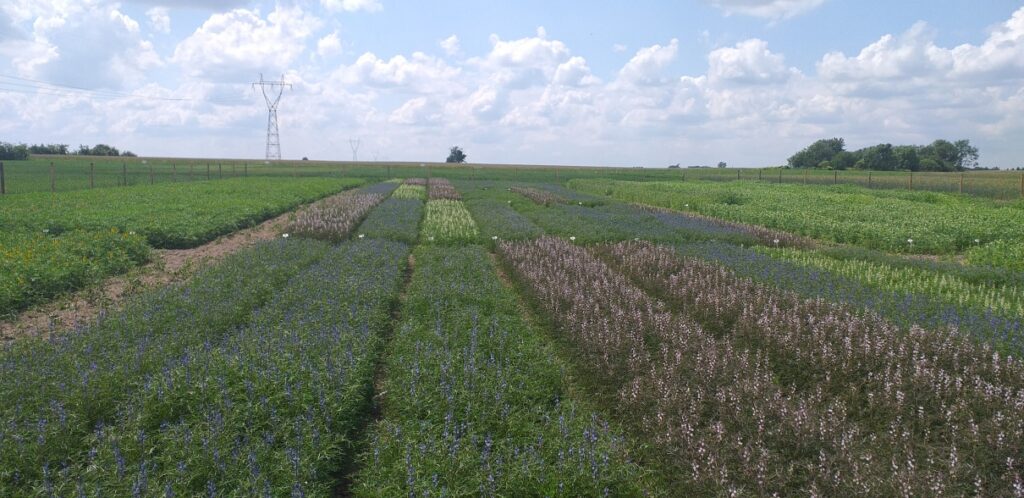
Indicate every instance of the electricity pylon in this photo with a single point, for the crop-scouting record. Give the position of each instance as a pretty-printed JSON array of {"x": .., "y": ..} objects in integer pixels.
[
  {"x": 354, "y": 144},
  {"x": 273, "y": 136}
]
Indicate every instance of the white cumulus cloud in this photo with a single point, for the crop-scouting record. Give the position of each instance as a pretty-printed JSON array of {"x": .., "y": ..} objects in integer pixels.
[
  {"x": 240, "y": 42},
  {"x": 450, "y": 45},
  {"x": 770, "y": 9},
  {"x": 352, "y": 5},
  {"x": 159, "y": 19}
]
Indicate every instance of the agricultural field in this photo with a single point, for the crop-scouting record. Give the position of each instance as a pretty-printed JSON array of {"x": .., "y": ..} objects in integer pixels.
[
  {"x": 84, "y": 172},
  {"x": 169, "y": 216},
  {"x": 496, "y": 336},
  {"x": 888, "y": 220},
  {"x": 58, "y": 243}
]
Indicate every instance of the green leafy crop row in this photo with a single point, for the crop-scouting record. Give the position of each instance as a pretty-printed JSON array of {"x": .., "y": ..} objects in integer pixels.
[
  {"x": 895, "y": 221},
  {"x": 170, "y": 215},
  {"x": 35, "y": 267}
]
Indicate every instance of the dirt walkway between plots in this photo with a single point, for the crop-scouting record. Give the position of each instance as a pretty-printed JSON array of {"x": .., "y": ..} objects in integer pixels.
[{"x": 168, "y": 266}]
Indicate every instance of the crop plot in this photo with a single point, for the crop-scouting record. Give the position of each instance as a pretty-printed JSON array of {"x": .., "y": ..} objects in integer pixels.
[
  {"x": 394, "y": 219},
  {"x": 410, "y": 191},
  {"x": 36, "y": 267},
  {"x": 168, "y": 215},
  {"x": 334, "y": 218},
  {"x": 793, "y": 395},
  {"x": 448, "y": 222},
  {"x": 895, "y": 221},
  {"x": 441, "y": 188},
  {"x": 474, "y": 399}
]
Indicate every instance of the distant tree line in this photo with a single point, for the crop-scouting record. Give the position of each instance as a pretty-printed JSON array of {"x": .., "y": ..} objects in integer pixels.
[
  {"x": 13, "y": 152},
  {"x": 940, "y": 155}
]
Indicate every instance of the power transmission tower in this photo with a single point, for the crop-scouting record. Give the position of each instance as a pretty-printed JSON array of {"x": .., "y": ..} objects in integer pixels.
[
  {"x": 354, "y": 143},
  {"x": 272, "y": 98}
]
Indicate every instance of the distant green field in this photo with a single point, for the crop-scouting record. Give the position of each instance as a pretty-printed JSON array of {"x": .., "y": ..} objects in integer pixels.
[{"x": 82, "y": 172}]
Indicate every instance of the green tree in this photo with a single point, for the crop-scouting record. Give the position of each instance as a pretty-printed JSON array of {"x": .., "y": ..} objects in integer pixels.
[
  {"x": 843, "y": 160},
  {"x": 967, "y": 155},
  {"x": 814, "y": 154},
  {"x": 907, "y": 158},
  {"x": 879, "y": 157},
  {"x": 455, "y": 155},
  {"x": 721, "y": 164},
  {"x": 11, "y": 152}
]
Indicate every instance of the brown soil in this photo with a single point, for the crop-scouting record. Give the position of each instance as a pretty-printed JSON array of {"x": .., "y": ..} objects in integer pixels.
[{"x": 168, "y": 266}]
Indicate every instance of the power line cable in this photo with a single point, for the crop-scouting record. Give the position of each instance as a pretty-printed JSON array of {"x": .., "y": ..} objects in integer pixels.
[{"x": 47, "y": 88}]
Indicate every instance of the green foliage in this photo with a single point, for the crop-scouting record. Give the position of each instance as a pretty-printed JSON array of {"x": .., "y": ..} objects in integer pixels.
[
  {"x": 456, "y": 155},
  {"x": 1002, "y": 299},
  {"x": 1000, "y": 254},
  {"x": 49, "y": 149},
  {"x": 56, "y": 393},
  {"x": 291, "y": 391},
  {"x": 475, "y": 402},
  {"x": 497, "y": 218},
  {"x": 394, "y": 219},
  {"x": 940, "y": 155},
  {"x": 13, "y": 152},
  {"x": 814, "y": 154},
  {"x": 167, "y": 215},
  {"x": 406, "y": 191},
  {"x": 878, "y": 219},
  {"x": 99, "y": 150},
  {"x": 448, "y": 222},
  {"x": 35, "y": 267}
]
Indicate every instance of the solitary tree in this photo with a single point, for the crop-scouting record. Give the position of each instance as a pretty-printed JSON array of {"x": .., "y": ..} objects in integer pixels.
[
  {"x": 455, "y": 155},
  {"x": 722, "y": 164}
]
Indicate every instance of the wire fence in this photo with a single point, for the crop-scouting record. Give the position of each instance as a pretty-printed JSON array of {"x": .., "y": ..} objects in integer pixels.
[{"x": 65, "y": 173}]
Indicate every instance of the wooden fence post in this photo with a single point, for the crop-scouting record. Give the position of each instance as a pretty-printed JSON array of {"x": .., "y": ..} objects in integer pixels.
[
  {"x": 220, "y": 172},
  {"x": 207, "y": 171},
  {"x": 53, "y": 179},
  {"x": 245, "y": 169},
  {"x": 780, "y": 175},
  {"x": 961, "y": 183},
  {"x": 737, "y": 174},
  {"x": 190, "y": 167},
  {"x": 174, "y": 172},
  {"x": 759, "y": 171},
  {"x": 124, "y": 172},
  {"x": 92, "y": 175},
  {"x": 3, "y": 181},
  {"x": 910, "y": 181},
  {"x": 150, "y": 174},
  {"x": 835, "y": 178},
  {"x": 1022, "y": 184},
  {"x": 869, "y": 179},
  {"x": 234, "y": 172}
]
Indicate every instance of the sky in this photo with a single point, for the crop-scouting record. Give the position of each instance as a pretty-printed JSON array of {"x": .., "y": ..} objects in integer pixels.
[{"x": 640, "y": 83}]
